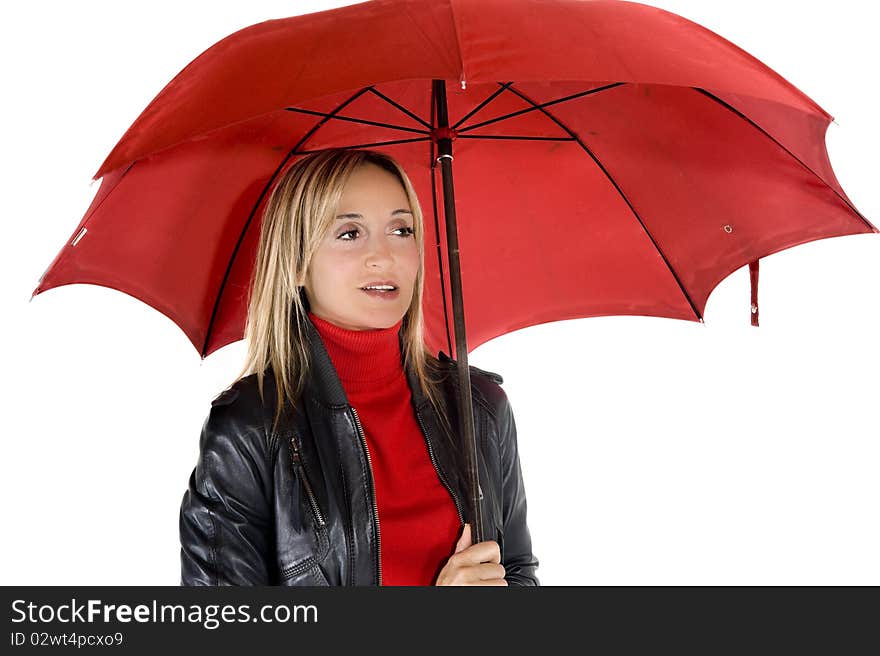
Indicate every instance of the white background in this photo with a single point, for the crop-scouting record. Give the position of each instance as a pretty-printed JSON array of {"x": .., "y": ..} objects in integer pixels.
[{"x": 654, "y": 451}]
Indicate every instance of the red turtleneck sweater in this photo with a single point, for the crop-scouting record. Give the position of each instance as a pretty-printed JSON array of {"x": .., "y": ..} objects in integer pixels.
[{"x": 418, "y": 521}]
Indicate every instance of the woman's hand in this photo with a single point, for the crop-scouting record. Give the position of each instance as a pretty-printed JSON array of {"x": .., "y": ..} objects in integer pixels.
[{"x": 478, "y": 564}]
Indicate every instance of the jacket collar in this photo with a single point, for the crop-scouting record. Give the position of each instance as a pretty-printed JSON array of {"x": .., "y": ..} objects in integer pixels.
[
  {"x": 324, "y": 387},
  {"x": 324, "y": 383}
]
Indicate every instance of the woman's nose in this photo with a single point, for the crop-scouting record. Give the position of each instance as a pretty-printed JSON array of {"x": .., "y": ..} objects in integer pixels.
[{"x": 379, "y": 253}]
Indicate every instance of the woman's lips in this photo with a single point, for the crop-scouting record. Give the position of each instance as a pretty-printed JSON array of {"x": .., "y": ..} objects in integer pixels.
[{"x": 388, "y": 296}]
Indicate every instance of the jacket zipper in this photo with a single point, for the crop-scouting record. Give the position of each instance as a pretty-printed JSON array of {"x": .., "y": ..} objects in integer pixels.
[
  {"x": 297, "y": 461},
  {"x": 437, "y": 468},
  {"x": 375, "y": 505}
]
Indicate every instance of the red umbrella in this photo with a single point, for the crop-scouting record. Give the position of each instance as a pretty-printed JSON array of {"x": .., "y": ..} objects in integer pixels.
[{"x": 610, "y": 158}]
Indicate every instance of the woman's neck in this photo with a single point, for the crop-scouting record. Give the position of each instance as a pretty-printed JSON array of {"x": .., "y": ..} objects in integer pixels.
[{"x": 361, "y": 356}]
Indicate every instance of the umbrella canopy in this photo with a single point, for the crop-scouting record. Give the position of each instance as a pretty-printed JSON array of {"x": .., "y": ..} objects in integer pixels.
[{"x": 610, "y": 158}]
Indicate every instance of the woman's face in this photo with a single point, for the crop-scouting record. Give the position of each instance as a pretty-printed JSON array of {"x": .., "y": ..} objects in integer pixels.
[{"x": 371, "y": 242}]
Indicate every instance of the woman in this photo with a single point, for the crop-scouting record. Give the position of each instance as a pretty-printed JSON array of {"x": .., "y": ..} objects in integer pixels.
[{"x": 355, "y": 477}]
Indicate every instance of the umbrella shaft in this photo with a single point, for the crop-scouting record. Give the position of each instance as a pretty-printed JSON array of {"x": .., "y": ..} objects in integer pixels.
[{"x": 466, "y": 413}]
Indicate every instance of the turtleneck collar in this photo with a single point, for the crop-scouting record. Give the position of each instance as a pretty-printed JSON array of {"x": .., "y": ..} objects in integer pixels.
[{"x": 361, "y": 356}]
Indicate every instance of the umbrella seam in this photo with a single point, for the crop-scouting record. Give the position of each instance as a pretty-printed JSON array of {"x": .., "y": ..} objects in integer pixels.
[
  {"x": 754, "y": 124},
  {"x": 463, "y": 77},
  {"x": 622, "y": 195},
  {"x": 247, "y": 223}
]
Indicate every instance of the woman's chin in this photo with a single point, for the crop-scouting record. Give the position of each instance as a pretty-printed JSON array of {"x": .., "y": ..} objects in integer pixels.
[
  {"x": 375, "y": 318},
  {"x": 381, "y": 323}
]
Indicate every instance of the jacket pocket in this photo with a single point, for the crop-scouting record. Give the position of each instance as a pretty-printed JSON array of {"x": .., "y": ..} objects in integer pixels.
[
  {"x": 300, "y": 469},
  {"x": 307, "y": 572}
]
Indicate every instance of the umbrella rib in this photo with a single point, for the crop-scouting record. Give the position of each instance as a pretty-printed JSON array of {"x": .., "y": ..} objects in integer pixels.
[
  {"x": 400, "y": 107},
  {"x": 354, "y": 120},
  {"x": 501, "y": 136},
  {"x": 482, "y": 104},
  {"x": 535, "y": 106},
  {"x": 795, "y": 157},
  {"x": 370, "y": 145},
  {"x": 619, "y": 190},
  {"x": 433, "y": 165},
  {"x": 253, "y": 211}
]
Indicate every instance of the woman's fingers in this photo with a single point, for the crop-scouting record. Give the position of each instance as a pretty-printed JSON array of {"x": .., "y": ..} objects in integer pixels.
[
  {"x": 481, "y": 574},
  {"x": 490, "y": 571},
  {"x": 479, "y": 564},
  {"x": 488, "y": 551},
  {"x": 473, "y": 564},
  {"x": 465, "y": 540},
  {"x": 482, "y": 552}
]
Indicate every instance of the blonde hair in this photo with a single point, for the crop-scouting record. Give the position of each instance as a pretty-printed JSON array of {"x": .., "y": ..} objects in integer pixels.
[{"x": 301, "y": 208}]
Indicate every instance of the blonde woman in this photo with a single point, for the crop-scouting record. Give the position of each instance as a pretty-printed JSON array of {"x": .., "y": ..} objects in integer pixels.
[{"x": 332, "y": 459}]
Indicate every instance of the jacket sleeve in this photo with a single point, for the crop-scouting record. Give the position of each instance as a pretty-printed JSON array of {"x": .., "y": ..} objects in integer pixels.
[
  {"x": 226, "y": 516},
  {"x": 519, "y": 562}
]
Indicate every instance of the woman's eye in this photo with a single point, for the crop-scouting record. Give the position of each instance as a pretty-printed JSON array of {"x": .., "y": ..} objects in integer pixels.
[{"x": 407, "y": 232}]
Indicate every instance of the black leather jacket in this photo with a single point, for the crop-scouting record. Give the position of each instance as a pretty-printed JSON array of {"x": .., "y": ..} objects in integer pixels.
[{"x": 297, "y": 507}]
